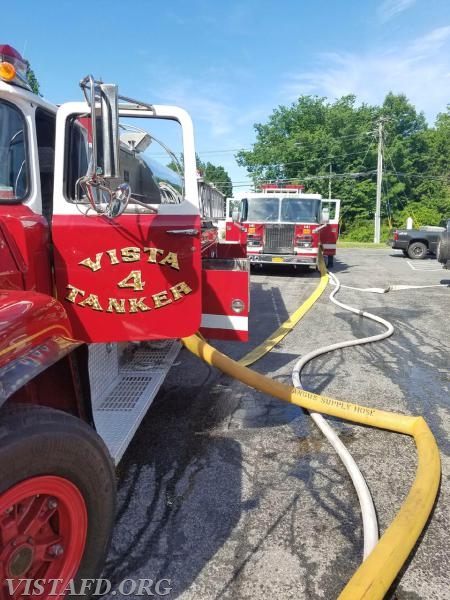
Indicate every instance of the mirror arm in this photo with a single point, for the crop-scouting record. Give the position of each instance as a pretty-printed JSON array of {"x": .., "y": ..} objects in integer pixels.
[
  {"x": 110, "y": 130},
  {"x": 88, "y": 85}
]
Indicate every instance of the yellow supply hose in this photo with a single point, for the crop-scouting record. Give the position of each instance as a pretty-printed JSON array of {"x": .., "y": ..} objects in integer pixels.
[
  {"x": 291, "y": 322},
  {"x": 374, "y": 576}
]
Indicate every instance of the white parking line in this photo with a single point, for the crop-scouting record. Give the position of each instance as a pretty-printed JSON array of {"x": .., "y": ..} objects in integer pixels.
[{"x": 420, "y": 266}]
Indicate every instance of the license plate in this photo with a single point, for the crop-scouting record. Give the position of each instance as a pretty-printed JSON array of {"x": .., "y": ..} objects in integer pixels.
[{"x": 277, "y": 259}]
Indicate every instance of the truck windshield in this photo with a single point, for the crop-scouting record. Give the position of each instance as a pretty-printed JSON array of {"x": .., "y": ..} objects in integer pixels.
[
  {"x": 298, "y": 210},
  {"x": 13, "y": 162},
  {"x": 263, "y": 209},
  {"x": 275, "y": 209}
]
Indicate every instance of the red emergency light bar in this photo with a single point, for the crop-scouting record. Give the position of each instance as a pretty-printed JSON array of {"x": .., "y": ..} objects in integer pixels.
[
  {"x": 273, "y": 186},
  {"x": 13, "y": 67}
]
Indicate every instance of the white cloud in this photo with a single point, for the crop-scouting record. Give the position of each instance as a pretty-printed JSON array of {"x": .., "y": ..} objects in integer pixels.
[
  {"x": 432, "y": 42},
  {"x": 218, "y": 122},
  {"x": 202, "y": 98},
  {"x": 389, "y": 9},
  {"x": 420, "y": 70}
]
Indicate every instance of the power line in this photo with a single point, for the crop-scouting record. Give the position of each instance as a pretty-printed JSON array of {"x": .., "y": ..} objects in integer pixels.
[
  {"x": 333, "y": 138},
  {"x": 334, "y": 175},
  {"x": 251, "y": 149},
  {"x": 444, "y": 178}
]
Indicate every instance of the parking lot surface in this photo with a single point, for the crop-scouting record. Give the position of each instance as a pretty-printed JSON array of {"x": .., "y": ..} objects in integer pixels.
[{"x": 231, "y": 494}]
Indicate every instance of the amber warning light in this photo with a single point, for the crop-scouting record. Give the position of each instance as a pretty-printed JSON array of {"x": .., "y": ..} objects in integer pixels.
[{"x": 13, "y": 67}]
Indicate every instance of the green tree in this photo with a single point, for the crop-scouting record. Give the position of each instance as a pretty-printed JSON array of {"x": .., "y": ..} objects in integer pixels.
[
  {"x": 31, "y": 77},
  {"x": 212, "y": 174},
  {"x": 334, "y": 145},
  {"x": 217, "y": 176}
]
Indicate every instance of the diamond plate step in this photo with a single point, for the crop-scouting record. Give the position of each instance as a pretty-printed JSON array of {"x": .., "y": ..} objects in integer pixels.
[{"x": 124, "y": 386}]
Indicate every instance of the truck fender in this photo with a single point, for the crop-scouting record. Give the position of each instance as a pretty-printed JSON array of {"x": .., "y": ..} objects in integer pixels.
[{"x": 34, "y": 334}]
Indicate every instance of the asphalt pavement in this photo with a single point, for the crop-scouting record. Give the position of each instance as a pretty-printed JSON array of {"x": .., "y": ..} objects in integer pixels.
[{"x": 231, "y": 494}]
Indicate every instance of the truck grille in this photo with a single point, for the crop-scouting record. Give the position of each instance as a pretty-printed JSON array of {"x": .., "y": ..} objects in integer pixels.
[{"x": 278, "y": 239}]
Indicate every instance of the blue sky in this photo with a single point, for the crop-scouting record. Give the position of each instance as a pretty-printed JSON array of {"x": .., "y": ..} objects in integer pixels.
[{"x": 231, "y": 63}]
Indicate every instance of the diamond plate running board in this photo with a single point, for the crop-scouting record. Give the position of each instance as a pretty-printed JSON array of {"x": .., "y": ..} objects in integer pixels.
[{"x": 121, "y": 403}]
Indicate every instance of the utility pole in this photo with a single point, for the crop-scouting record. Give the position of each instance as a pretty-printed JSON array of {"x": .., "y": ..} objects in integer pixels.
[
  {"x": 376, "y": 237},
  {"x": 329, "y": 183}
]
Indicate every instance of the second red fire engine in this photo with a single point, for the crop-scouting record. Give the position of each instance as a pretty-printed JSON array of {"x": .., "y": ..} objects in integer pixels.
[{"x": 284, "y": 225}]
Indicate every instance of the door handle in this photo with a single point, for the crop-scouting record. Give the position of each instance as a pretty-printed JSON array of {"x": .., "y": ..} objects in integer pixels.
[{"x": 182, "y": 231}]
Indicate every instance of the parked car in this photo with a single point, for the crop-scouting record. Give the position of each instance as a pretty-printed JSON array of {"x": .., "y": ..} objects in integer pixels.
[{"x": 417, "y": 243}]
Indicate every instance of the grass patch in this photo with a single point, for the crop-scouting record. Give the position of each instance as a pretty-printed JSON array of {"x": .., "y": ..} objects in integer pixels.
[{"x": 349, "y": 244}]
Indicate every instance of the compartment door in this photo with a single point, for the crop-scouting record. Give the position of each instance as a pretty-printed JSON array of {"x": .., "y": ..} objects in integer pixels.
[
  {"x": 329, "y": 234},
  {"x": 226, "y": 298}
]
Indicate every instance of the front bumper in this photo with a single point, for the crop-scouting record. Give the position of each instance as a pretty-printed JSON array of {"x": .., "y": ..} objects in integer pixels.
[{"x": 288, "y": 259}]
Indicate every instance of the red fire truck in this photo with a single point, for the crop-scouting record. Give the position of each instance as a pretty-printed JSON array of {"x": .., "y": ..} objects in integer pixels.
[
  {"x": 283, "y": 225},
  {"x": 107, "y": 259}
]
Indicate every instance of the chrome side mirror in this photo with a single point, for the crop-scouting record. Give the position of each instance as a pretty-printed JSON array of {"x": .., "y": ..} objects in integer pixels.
[
  {"x": 103, "y": 101},
  {"x": 104, "y": 165},
  {"x": 325, "y": 216},
  {"x": 243, "y": 210},
  {"x": 109, "y": 156}
]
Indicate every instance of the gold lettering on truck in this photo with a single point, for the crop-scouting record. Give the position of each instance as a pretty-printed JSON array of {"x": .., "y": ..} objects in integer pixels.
[
  {"x": 113, "y": 256},
  {"x": 72, "y": 296},
  {"x": 131, "y": 254},
  {"x": 137, "y": 305},
  {"x": 94, "y": 265},
  {"x": 134, "y": 281},
  {"x": 153, "y": 253},
  {"x": 161, "y": 299},
  {"x": 180, "y": 288},
  {"x": 130, "y": 305},
  {"x": 171, "y": 259},
  {"x": 116, "y": 305},
  {"x": 92, "y": 302}
]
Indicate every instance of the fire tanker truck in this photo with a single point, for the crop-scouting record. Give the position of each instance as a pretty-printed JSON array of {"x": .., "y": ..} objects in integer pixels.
[
  {"x": 107, "y": 259},
  {"x": 284, "y": 225}
]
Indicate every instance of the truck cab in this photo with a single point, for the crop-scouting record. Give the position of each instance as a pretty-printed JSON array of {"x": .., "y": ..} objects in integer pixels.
[{"x": 284, "y": 225}]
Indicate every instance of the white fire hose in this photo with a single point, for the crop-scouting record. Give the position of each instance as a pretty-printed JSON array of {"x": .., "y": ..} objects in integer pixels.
[{"x": 369, "y": 518}]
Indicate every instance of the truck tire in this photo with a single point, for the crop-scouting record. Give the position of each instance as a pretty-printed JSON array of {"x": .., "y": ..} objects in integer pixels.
[
  {"x": 330, "y": 260},
  {"x": 443, "y": 251},
  {"x": 57, "y": 499},
  {"x": 417, "y": 250}
]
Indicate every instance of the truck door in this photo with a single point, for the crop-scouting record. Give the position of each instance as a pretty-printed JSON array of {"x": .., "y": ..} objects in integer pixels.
[
  {"x": 136, "y": 276},
  {"x": 329, "y": 234}
]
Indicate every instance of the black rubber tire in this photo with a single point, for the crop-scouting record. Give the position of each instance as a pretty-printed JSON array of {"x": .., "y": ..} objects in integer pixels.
[
  {"x": 330, "y": 260},
  {"x": 443, "y": 250},
  {"x": 37, "y": 440},
  {"x": 417, "y": 250}
]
